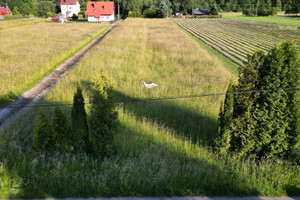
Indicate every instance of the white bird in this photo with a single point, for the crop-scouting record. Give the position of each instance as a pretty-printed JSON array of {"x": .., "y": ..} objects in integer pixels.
[{"x": 150, "y": 85}]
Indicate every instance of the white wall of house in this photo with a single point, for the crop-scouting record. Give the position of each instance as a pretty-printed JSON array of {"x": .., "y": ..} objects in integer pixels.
[
  {"x": 103, "y": 18},
  {"x": 107, "y": 18},
  {"x": 93, "y": 19},
  {"x": 70, "y": 10}
]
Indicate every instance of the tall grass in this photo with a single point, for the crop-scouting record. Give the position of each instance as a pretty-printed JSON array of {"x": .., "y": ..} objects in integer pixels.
[
  {"x": 29, "y": 53},
  {"x": 163, "y": 148},
  {"x": 7, "y": 24}
]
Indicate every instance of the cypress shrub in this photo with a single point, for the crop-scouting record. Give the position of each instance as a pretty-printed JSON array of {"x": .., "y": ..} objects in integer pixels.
[
  {"x": 243, "y": 123},
  {"x": 61, "y": 131},
  {"x": 265, "y": 123},
  {"x": 225, "y": 116},
  {"x": 79, "y": 123},
  {"x": 42, "y": 138},
  {"x": 103, "y": 120}
]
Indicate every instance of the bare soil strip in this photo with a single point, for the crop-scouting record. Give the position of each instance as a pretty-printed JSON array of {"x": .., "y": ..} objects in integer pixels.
[{"x": 35, "y": 94}]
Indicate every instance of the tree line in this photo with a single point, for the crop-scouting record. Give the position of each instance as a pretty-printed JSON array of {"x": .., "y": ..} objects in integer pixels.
[{"x": 159, "y": 8}]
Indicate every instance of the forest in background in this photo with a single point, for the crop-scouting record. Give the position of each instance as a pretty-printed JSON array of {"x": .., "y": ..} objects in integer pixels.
[{"x": 150, "y": 8}]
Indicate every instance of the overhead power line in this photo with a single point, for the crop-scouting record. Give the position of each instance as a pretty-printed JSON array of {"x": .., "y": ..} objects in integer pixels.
[{"x": 130, "y": 100}]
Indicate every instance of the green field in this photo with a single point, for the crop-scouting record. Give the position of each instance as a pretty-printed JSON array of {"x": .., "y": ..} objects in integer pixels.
[
  {"x": 163, "y": 148},
  {"x": 28, "y": 53},
  {"x": 235, "y": 39},
  {"x": 276, "y": 19}
]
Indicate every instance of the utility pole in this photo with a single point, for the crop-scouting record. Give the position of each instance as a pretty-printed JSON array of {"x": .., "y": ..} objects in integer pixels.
[{"x": 118, "y": 11}]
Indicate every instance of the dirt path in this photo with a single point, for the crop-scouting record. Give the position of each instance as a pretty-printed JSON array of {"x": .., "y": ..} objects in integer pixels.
[{"x": 35, "y": 94}]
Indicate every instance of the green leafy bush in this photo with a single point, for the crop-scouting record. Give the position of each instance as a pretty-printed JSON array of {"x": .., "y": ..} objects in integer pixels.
[{"x": 74, "y": 17}]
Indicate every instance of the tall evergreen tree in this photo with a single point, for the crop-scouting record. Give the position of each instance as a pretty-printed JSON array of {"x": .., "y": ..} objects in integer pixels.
[
  {"x": 292, "y": 66},
  {"x": 243, "y": 124},
  {"x": 42, "y": 139},
  {"x": 103, "y": 121},
  {"x": 265, "y": 123},
  {"x": 61, "y": 131},
  {"x": 79, "y": 123},
  {"x": 225, "y": 116},
  {"x": 272, "y": 110}
]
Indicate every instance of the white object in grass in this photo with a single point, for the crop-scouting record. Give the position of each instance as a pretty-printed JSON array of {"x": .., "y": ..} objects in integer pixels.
[{"x": 150, "y": 85}]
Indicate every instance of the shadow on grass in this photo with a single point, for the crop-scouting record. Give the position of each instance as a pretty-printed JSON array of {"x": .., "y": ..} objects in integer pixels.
[
  {"x": 144, "y": 165},
  {"x": 193, "y": 124}
]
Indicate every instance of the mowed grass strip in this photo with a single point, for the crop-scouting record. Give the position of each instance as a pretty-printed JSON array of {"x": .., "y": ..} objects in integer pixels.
[
  {"x": 6, "y": 24},
  {"x": 290, "y": 21},
  {"x": 29, "y": 53},
  {"x": 163, "y": 148}
]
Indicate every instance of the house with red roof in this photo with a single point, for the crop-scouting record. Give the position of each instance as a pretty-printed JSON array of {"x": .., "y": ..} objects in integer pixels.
[
  {"x": 4, "y": 11},
  {"x": 99, "y": 11},
  {"x": 69, "y": 7}
]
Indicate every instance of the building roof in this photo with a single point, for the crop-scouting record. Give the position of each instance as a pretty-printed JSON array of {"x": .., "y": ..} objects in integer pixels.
[
  {"x": 97, "y": 8},
  {"x": 200, "y": 12},
  {"x": 4, "y": 11},
  {"x": 68, "y": 2}
]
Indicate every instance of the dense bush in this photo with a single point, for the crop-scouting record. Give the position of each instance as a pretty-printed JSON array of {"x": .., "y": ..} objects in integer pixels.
[
  {"x": 266, "y": 123},
  {"x": 152, "y": 12},
  {"x": 74, "y": 17},
  {"x": 103, "y": 120}
]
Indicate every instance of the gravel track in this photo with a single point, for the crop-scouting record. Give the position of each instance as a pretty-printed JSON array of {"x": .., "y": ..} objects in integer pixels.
[{"x": 9, "y": 113}]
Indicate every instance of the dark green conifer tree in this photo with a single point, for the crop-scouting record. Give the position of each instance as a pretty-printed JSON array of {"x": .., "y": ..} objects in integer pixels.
[
  {"x": 61, "y": 131},
  {"x": 42, "y": 138},
  {"x": 225, "y": 118},
  {"x": 272, "y": 110},
  {"x": 103, "y": 121},
  {"x": 265, "y": 123},
  {"x": 243, "y": 124},
  {"x": 79, "y": 123}
]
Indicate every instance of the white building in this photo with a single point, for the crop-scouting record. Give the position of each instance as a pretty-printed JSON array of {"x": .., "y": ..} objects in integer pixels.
[
  {"x": 99, "y": 11},
  {"x": 69, "y": 7}
]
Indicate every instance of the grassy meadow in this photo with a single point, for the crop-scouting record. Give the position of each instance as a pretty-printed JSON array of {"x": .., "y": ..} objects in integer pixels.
[
  {"x": 6, "y": 24},
  {"x": 163, "y": 148},
  {"x": 28, "y": 53}
]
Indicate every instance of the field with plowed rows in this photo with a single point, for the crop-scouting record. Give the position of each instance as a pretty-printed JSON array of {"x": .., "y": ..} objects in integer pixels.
[{"x": 235, "y": 39}]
